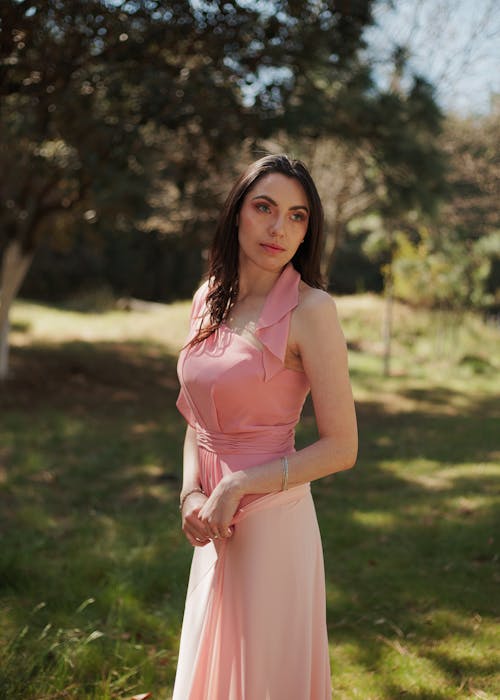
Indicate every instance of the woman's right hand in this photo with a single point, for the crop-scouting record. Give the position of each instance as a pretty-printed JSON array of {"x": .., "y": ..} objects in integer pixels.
[{"x": 196, "y": 532}]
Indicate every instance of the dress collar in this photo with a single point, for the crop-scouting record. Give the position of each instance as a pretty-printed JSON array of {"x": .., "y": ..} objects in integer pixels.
[{"x": 274, "y": 322}]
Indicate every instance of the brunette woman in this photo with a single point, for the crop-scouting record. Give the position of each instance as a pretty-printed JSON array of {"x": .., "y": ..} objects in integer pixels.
[{"x": 263, "y": 334}]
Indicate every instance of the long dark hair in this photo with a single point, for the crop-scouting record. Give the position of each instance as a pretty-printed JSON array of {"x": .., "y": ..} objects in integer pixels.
[{"x": 224, "y": 255}]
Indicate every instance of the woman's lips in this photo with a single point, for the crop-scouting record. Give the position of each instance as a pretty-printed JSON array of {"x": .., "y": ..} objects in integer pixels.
[{"x": 271, "y": 248}]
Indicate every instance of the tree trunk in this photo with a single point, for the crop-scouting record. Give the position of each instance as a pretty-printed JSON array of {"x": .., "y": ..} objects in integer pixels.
[{"x": 15, "y": 265}]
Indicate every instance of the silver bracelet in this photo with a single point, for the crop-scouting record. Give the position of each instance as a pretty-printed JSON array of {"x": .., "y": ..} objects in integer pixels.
[
  {"x": 188, "y": 493},
  {"x": 284, "y": 479}
]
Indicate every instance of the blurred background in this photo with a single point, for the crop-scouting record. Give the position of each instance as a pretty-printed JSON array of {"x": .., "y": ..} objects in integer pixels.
[{"x": 122, "y": 126}]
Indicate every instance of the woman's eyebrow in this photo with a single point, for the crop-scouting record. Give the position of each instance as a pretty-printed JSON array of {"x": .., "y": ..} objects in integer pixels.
[{"x": 271, "y": 201}]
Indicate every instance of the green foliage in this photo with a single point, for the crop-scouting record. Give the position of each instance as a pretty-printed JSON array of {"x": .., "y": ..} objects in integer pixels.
[
  {"x": 450, "y": 258},
  {"x": 121, "y": 147},
  {"x": 144, "y": 111},
  {"x": 406, "y": 146},
  {"x": 472, "y": 148},
  {"x": 93, "y": 92},
  {"x": 444, "y": 271}
]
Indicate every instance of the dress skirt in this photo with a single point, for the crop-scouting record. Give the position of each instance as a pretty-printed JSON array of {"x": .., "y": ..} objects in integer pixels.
[{"x": 254, "y": 623}]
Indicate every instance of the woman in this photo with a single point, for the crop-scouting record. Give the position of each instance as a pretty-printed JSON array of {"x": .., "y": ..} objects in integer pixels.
[{"x": 263, "y": 334}]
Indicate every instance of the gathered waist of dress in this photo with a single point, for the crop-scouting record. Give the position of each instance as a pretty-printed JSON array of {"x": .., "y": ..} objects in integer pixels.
[{"x": 273, "y": 439}]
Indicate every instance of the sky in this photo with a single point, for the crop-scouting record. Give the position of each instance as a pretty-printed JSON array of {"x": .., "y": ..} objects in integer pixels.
[{"x": 453, "y": 43}]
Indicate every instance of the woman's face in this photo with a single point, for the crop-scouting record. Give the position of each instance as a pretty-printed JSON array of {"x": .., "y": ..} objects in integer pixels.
[{"x": 272, "y": 222}]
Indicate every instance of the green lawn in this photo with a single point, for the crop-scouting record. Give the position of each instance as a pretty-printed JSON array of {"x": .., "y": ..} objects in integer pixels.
[{"x": 93, "y": 566}]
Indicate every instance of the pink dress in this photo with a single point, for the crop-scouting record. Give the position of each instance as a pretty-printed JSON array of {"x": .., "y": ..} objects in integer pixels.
[{"x": 254, "y": 623}]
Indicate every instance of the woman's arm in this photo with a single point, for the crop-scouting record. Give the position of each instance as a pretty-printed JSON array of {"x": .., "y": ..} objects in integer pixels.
[
  {"x": 318, "y": 339},
  {"x": 195, "y": 531},
  {"x": 191, "y": 467}
]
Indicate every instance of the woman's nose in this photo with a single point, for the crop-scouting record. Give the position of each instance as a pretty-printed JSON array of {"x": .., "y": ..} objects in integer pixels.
[{"x": 278, "y": 225}]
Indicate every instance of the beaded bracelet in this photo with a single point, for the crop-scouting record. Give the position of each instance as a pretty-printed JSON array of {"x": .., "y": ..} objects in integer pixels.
[{"x": 188, "y": 493}]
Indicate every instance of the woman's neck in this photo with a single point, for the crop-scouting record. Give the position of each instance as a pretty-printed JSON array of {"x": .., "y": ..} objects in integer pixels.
[{"x": 253, "y": 281}]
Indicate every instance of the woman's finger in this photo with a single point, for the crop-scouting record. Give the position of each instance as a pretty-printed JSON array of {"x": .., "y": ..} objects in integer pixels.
[
  {"x": 196, "y": 541},
  {"x": 197, "y": 526},
  {"x": 195, "y": 531}
]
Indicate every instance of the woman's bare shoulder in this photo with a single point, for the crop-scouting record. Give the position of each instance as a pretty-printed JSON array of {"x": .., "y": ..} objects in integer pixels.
[
  {"x": 313, "y": 318},
  {"x": 314, "y": 302}
]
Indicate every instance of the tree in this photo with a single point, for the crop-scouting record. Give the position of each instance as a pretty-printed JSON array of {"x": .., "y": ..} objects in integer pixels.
[
  {"x": 382, "y": 153},
  {"x": 438, "y": 269},
  {"x": 85, "y": 85},
  {"x": 109, "y": 107},
  {"x": 448, "y": 261},
  {"x": 473, "y": 177}
]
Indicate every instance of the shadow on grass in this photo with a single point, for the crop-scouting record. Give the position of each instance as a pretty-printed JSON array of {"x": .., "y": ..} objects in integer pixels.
[{"x": 90, "y": 467}]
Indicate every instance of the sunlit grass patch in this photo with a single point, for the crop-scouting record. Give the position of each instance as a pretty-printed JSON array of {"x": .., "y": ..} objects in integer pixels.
[
  {"x": 157, "y": 323},
  {"x": 375, "y": 519}
]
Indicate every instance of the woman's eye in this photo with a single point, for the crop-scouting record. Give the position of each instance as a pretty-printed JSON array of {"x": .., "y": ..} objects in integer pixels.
[
  {"x": 263, "y": 207},
  {"x": 298, "y": 217}
]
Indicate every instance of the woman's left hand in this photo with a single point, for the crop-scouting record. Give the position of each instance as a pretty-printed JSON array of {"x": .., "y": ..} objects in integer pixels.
[{"x": 219, "y": 509}]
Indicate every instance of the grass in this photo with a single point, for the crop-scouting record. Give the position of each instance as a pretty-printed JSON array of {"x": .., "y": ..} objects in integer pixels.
[{"x": 93, "y": 566}]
